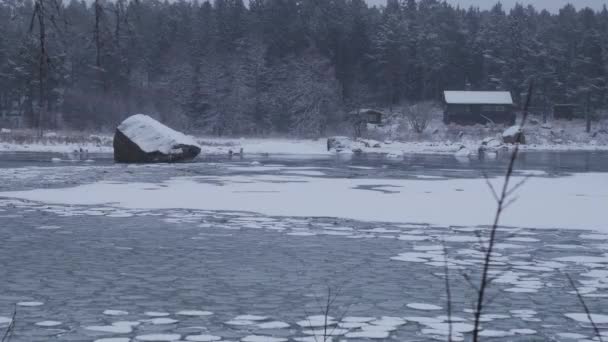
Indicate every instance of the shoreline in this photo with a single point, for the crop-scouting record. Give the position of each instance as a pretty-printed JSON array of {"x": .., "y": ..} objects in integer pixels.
[{"x": 261, "y": 146}]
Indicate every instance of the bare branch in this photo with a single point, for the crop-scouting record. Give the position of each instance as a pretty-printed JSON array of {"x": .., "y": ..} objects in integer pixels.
[
  {"x": 584, "y": 304},
  {"x": 502, "y": 199},
  {"x": 11, "y": 327}
]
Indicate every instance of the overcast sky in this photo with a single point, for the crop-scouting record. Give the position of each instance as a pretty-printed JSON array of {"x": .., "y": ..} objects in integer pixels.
[{"x": 551, "y": 5}]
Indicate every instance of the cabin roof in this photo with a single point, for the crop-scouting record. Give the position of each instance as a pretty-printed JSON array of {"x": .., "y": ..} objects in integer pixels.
[{"x": 478, "y": 97}]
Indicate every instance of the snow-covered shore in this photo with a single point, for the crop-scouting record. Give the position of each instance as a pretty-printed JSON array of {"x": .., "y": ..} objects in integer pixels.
[
  {"x": 296, "y": 147},
  {"x": 467, "y": 142}
]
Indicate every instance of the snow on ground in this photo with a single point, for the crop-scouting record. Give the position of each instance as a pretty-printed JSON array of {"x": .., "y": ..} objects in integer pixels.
[
  {"x": 577, "y": 201},
  {"x": 559, "y": 136},
  {"x": 54, "y": 147}
]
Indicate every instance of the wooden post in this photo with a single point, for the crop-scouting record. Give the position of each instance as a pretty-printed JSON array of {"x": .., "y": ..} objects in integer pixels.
[{"x": 588, "y": 113}]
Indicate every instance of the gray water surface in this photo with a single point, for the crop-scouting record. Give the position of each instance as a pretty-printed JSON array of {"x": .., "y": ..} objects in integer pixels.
[{"x": 80, "y": 261}]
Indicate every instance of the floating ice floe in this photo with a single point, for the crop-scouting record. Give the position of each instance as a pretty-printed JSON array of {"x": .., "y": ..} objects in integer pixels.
[
  {"x": 160, "y": 321},
  {"x": 423, "y": 306},
  {"x": 48, "y": 323},
  {"x": 582, "y": 317},
  {"x": 156, "y": 314},
  {"x": 194, "y": 313},
  {"x": 261, "y": 338},
  {"x": 114, "y": 339},
  {"x": 30, "y": 304},
  {"x": 115, "y": 312},
  {"x": 250, "y": 318},
  {"x": 203, "y": 338},
  {"x": 116, "y": 327},
  {"x": 158, "y": 337},
  {"x": 273, "y": 325}
]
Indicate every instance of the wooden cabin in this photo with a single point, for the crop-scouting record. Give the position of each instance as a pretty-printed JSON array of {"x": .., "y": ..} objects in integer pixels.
[
  {"x": 478, "y": 107},
  {"x": 367, "y": 116}
]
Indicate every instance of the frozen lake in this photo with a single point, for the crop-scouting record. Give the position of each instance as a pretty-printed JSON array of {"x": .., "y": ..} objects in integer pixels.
[{"x": 245, "y": 250}]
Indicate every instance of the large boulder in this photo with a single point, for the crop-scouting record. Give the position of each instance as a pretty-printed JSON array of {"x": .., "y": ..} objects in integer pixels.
[
  {"x": 339, "y": 143},
  {"x": 141, "y": 139},
  {"x": 513, "y": 135},
  {"x": 491, "y": 145}
]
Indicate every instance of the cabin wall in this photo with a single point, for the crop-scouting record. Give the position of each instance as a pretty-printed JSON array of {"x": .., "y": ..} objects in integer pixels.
[{"x": 471, "y": 114}]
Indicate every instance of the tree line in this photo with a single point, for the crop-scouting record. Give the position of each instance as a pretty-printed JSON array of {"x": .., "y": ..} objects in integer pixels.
[{"x": 282, "y": 66}]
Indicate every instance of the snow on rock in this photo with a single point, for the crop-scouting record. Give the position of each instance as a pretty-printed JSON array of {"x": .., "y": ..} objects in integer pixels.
[
  {"x": 141, "y": 139},
  {"x": 339, "y": 143},
  {"x": 514, "y": 134},
  {"x": 490, "y": 145},
  {"x": 463, "y": 151}
]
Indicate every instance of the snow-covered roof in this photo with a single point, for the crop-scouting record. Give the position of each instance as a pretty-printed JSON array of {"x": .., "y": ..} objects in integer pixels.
[
  {"x": 478, "y": 97},
  {"x": 151, "y": 135}
]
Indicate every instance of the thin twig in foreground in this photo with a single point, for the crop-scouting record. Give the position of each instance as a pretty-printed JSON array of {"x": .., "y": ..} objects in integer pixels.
[
  {"x": 11, "y": 327},
  {"x": 584, "y": 304},
  {"x": 448, "y": 290},
  {"x": 502, "y": 200}
]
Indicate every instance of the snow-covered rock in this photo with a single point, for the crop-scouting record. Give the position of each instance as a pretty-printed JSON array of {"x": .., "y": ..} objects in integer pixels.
[
  {"x": 339, "y": 143},
  {"x": 491, "y": 145},
  {"x": 513, "y": 134},
  {"x": 5, "y": 130},
  {"x": 141, "y": 139},
  {"x": 463, "y": 151}
]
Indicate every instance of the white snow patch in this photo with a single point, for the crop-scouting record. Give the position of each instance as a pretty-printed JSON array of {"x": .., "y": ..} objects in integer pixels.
[{"x": 415, "y": 201}]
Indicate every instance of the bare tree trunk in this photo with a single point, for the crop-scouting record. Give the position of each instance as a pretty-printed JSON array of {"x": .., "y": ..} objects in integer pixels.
[
  {"x": 588, "y": 113},
  {"x": 97, "y": 33},
  {"x": 42, "y": 66}
]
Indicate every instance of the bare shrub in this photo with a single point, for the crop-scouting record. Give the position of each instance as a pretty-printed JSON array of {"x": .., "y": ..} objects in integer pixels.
[{"x": 420, "y": 115}]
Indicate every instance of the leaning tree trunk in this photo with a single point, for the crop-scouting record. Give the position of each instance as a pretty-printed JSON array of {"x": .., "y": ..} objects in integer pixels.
[{"x": 42, "y": 66}]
